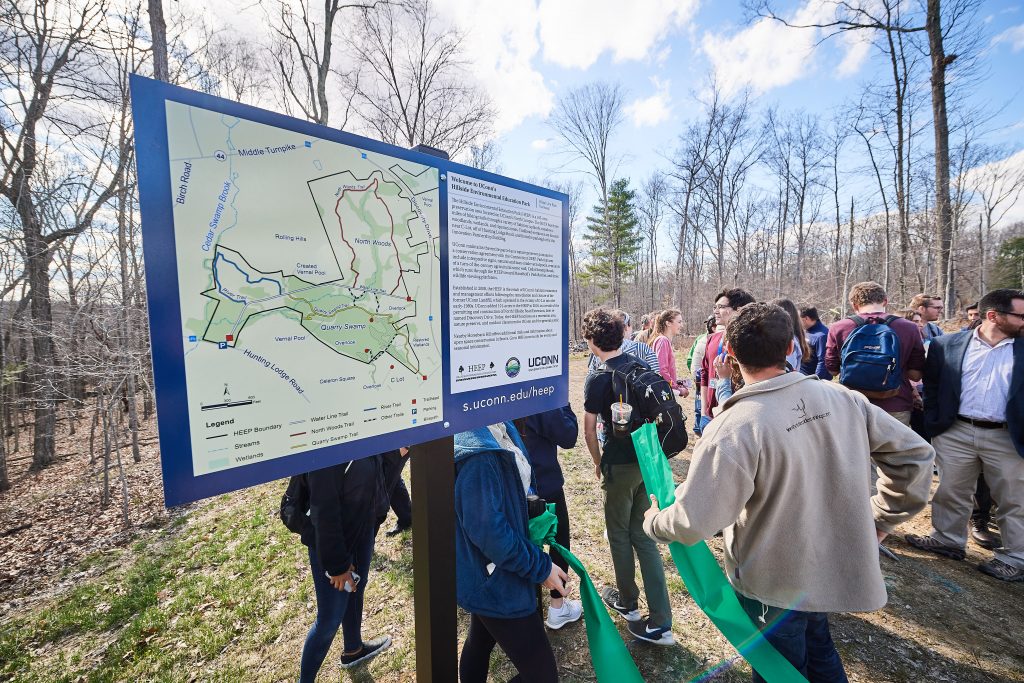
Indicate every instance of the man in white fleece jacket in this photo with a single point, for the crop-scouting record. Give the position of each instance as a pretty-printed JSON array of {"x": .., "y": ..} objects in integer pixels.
[{"x": 785, "y": 471}]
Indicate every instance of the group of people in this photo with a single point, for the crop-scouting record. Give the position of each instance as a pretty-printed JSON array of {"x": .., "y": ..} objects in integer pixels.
[{"x": 804, "y": 477}]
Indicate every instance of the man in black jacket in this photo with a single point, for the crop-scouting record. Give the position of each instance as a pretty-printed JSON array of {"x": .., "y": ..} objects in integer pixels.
[
  {"x": 974, "y": 413},
  {"x": 342, "y": 515}
]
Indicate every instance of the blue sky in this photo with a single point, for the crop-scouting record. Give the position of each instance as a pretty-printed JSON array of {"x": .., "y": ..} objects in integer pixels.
[
  {"x": 525, "y": 53},
  {"x": 662, "y": 52}
]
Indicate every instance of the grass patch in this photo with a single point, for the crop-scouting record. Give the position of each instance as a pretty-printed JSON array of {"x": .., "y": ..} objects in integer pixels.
[{"x": 164, "y": 608}]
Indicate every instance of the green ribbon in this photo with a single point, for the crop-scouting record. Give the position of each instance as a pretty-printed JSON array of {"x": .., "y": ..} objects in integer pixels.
[
  {"x": 612, "y": 661},
  {"x": 703, "y": 577}
]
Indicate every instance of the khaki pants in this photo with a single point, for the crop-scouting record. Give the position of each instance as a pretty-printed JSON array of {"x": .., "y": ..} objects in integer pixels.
[
  {"x": 625, "y": 501},
  {"x": 962, "y": 452},
  {"x": 903, "y": 416}
]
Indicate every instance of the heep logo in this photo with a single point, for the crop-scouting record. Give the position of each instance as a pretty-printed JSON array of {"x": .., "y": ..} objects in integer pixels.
[
  {"x": 542, "y": 361},
  {"x": 512, "y": 366}
]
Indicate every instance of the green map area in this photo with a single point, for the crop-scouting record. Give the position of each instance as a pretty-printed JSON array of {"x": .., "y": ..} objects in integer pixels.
[{"x": 348, "y": 321}]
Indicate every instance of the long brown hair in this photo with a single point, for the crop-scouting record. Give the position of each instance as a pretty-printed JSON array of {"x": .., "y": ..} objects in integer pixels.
[
  {"x": 663, "y": 319},
  {"x": 798, "y": 328}
]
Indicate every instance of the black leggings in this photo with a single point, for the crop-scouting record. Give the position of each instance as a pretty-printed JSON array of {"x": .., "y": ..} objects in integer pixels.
[
  {"x": 523, "y": 641},
  {"x": 561, "y": 534}
]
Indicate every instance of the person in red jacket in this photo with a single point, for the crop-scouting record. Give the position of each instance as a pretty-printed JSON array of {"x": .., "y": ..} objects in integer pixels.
[{"x": 869, "y": 301}]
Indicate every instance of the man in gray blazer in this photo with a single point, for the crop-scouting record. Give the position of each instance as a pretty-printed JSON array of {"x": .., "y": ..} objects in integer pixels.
[{"x": 974, "y": 413}]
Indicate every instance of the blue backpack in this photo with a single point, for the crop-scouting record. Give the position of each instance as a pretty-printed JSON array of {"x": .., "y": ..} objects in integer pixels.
[{"x": 870, "y": 359}]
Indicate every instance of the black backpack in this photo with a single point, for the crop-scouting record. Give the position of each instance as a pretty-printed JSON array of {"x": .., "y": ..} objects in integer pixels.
[
  {"x": 295, "y": 504},
  {"x": 653, "y": 401}
]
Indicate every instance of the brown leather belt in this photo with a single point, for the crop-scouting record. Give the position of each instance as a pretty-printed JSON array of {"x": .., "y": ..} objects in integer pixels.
[{"x": 982, "y": 424}]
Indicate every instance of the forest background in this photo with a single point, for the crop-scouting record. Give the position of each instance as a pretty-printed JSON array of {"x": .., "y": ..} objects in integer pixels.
[{"x": 912, "y": 174}]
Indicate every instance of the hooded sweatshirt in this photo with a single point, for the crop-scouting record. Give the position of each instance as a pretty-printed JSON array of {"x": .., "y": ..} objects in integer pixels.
[
  {"x": 497, "y": 567},
  {"x": 785, "y": 471}
]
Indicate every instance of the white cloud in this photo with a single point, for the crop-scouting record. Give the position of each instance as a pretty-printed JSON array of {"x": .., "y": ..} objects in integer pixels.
[
  {"x": 501, "y": 47},
  {"x": 858, "y": 47},
  {"x": 1007, "y": 170},
  {"x": 540, "y": 144},
  {"x": 575, "y": 33},
  {"x": 653, "y": 110},
  {"x": 1014, "y": 36},
  {"x": 767, "y": 54}
]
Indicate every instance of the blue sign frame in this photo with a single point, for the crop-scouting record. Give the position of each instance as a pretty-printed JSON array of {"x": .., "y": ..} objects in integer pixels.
[{"x": 462, "y": 411}]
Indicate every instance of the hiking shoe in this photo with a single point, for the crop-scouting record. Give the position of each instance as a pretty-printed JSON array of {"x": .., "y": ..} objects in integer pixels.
[
  {"x": 611, "y": 598},
  {"x": 643, "y": 630},
  {"x": 370, "y": 649},
  {"x": 931, "y": 545},
  {"x": 984, "y": 536},
  {"x": 570, "y": 611},
  {"x": 1001, "y": 570}
]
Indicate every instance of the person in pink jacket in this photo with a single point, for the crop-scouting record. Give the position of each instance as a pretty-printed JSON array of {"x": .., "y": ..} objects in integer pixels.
[{"x": 667, "y": 325}]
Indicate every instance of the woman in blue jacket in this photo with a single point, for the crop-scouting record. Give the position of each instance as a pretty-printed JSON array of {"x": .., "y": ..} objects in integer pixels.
[{"x": 497, "y": 566}]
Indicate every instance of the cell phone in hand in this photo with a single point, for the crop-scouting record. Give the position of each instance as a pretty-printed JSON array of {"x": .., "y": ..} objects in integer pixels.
[
  {"x": 350, "y": 586},
  {"x": 687, "y": 382}
]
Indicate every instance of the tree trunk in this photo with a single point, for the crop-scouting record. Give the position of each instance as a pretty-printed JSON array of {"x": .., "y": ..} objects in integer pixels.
[
  {"x": 158, "y": 29},
  {"x": 5, "y": 482},
  {"x": 849, "y": 258},
  {"x": 37, "y": 262},
  {"x": 943, "y": 213}
]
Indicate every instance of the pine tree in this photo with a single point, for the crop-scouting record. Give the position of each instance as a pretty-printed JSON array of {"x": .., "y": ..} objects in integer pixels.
[{"x": 614, "y": 239}]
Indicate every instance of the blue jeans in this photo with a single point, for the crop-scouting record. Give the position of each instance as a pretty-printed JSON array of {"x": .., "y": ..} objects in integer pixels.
[
  {"x": 802, "y": 638},
  {"x": 335, "y": 608},
  {"x": 697, "y": 426},
  {"x": 703, "y": 421}
]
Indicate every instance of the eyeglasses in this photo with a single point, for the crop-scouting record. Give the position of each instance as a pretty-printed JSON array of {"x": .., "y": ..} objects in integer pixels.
[{"x": 1016, "y": 315}]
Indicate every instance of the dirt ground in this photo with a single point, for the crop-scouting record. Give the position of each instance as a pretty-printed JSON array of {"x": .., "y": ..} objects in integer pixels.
[{"x": 945, "y": 620}]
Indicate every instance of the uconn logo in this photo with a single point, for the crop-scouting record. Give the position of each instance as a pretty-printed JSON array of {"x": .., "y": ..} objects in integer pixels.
[{"x": 542, "y": 361}]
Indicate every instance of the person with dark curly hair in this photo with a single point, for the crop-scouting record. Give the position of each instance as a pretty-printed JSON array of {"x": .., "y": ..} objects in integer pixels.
[{"x": 625, "y": 498}]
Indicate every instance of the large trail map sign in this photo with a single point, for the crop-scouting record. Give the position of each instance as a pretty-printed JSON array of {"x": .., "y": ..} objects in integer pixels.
[{"x": 317, "y": 297}]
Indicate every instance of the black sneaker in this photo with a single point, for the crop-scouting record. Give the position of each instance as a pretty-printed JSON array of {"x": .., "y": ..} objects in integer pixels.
[
  {"x": 1001, "y": 570},
  {"x": 611, "y": 598},
  {"x": 370, "y": 649},
  {"x": 931, "y": 545},
  {"x": 643, "y": 630}
]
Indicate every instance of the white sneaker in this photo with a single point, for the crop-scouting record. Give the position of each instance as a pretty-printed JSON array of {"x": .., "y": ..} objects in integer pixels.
[{"x": 570, "y": 611}]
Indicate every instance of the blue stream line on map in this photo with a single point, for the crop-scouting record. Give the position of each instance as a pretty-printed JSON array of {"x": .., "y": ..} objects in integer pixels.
[{"x": 220, "y": 255}]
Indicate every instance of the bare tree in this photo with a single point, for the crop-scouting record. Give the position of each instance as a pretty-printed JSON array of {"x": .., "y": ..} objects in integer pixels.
[
  {"x": 651, "y": 210},
  {"x": 940, "y": 22},
  {"x": 586, "y": 118},
  {"x": 687, "y": 175},
  {"x": 48, "y": 56},
  {"x": 485, "y": 156},
  {"x": 305, "y": 59},
  {"x": 797, "y": 151},
  {"x": 416, "y": 88},
  {"x": 999, "y": 184},
  {"x": 734, "y": 148}
]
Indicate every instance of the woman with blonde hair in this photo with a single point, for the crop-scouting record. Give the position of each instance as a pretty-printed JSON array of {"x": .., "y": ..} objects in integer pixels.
[{"x": 667, "y": 325}]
